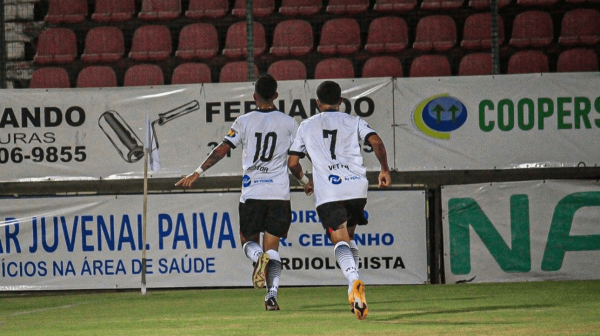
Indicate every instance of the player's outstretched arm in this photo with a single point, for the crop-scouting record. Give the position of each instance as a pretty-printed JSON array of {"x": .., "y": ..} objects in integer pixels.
[
  {"x": 215, "y": 156},
  {"x": 381, "y": 154},
  {"x": 296, "y": 169}
]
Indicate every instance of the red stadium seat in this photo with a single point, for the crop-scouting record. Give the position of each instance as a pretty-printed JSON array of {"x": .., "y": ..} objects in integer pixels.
[
  {"x": 347, "y": 7},
  {"x": 97, "y": 76},
  {"x": 538, "y": 3},
  {"x": 56, "y": 46},
  {"x": 292, "y": 38},
  {"x": 394, "y": 6},
  {"x": 333, "y": 68},
  {"x": 49, "y": 78},
  {"x": 103, "y": 44},
  {"x": 235, "y": 42},
  {"x": 66, "y": 11},
  {"x": 430, "y": 66},
  {"x": 144, "y": 75},
  {"x": 191, "y": 73},
  {"x": 202, "y": 9},
  {"x": 339, "y": 36},
  {"x": 260, "y": 8},
  {"x": 532, "y": 29},
  {"x": 580, "y": 27},
  {"x": 387, "y": 35},
  {"x": 435, "y": 32},
  {"x": 476, "y": 64},
  {"x": 113, "y": 10},
  {"x": 160, "y": 10},
  {"x": 198, "y": 41},
  {"x": 382, "y": 66},
  {"x": 151, "y": 43},
  {"x": 477, "y": 33},
  {"x": 485, "y": 4},
  {"x": 437, "y": 5},
  {"x": 236, "y": 72},
  {"x": 529, "y": 61},
  {"x": 287, "y": 70},
  {"x": 300, "y": 7},
  {"x": 577, "y": 60}
]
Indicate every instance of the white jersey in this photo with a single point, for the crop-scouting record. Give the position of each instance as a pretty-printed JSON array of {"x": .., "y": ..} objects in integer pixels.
[
  {"x": 265, "y": 137},
  {"x": 332, "y": 141}
]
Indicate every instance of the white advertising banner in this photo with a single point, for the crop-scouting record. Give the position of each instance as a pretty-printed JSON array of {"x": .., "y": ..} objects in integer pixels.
[
  {"x": 522, "y": 231},
  {"x": 497, "y": 122},
  {"x": 98, "y": 133},
  {"x": 95, "y": 242}
]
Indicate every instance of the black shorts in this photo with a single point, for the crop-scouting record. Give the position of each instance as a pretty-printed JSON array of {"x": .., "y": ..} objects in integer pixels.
[
  {"x": 334, "y": 214},
  {"x": 272, "y": 216}
]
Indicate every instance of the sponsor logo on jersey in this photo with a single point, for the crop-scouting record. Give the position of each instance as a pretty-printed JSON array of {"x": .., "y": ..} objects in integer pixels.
[
  {"x": 439, "y": 115},
  {"x": 335, "y": 179},
  {"x": 246, "y": 181},
  {"x": 231, "y": 133}
]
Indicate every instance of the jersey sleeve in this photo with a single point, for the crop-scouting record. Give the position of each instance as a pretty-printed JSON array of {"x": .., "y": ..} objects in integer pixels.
[
  {"x": 298, "y": 147},
  {"x": 364, "y": 130},
  {"x": 234, "y": 137}
]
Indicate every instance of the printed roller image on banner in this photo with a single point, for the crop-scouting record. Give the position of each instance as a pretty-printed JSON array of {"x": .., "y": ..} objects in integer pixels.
[
  {"x": 522, "y": 231},
  {"x": 100, "y": 133},
  {"x": 95, "y": 242}
]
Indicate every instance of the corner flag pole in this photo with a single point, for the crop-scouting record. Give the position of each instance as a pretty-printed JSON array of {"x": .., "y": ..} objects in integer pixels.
[{"x": 144, "y": 217}]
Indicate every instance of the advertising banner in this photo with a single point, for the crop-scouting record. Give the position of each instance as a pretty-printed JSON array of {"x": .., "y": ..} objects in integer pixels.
[
  {"x": 95, "y": 242},
  {"x": 522, "y": 231},
  {"x": 497, "y": 122},
  {"x": 99, "y": 133}
]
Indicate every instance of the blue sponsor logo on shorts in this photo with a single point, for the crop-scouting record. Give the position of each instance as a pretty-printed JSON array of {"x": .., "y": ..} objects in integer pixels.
[
  {"x": 335, "y": 179},
  {"x": 246, "y": 181}
]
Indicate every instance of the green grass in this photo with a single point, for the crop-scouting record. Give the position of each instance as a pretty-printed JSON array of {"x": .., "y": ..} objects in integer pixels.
[{"x": 536, "y": 308}]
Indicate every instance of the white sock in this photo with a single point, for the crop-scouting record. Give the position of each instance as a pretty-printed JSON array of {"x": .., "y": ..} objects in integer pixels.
[
  {"x": 355, "y": 252},
  {"x": 273, "y": 273},
  {"x": 346, "y": 262},
  {"x": 252, "y": 250}
]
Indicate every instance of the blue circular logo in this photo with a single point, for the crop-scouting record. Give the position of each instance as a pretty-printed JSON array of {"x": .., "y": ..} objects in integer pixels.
[
  {"x": 439, "y": 115},
  {"x": 335, "y": 179},
  {"x": 246, "y": 181}
]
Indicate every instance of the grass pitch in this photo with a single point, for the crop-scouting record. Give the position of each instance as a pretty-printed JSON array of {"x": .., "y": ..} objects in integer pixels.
[{"x": 536, "y": 308}]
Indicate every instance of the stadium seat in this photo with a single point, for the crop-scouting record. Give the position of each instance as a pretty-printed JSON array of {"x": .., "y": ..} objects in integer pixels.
[
  {"x": 103, "y": 44},
  {"x": 235, "y": 41},
  {"x": 49, "y": 78},
  {"x": 580, "y": 27},
  {"x": 340, "y": 36},
  {"x": 202, "y": 9},
  {"x": 347, "y": 7},
  {"x": 485, "y": 4},
  {"x": 97, "y": 76},
  {"x": 151, "y": 43},
  {"x": 236, "y": 72},
  {"x": 56, "y": 46},
  {"x": 382, "y": 66},
  {"x": 537, "y": 3},
  {"x": 300, "y": 7},
  {"x": 191, "y": 73},
  {"x": 66, "y": 11},
  {"x": 260, "y": 8},
  {"x": 441, "y": 5},
  {"x": 113, "y": 10},
  {"x": 435, "y": 32},
  {"x": 582, "y": 1},
  {"x": 577, "y": 60},
  {"x": 198, "y": 41},
  {"x": 477, "y": 33},
  {"x": 476, "y": 64},
  {"x": 144, "y": 75},
  {"x": 160, "y": 10},
  {"x": 287, "y": 70},
  {"x": 387, "y": 35},
  {"x": 430, "y": 66},
  {"x": 333, "y": 68},
  {"x": 394, "y": 6},
  {"x": 292, "y": 38},
  {"x": 532, "y": 29},
  {"x": 529, "y": 61}
]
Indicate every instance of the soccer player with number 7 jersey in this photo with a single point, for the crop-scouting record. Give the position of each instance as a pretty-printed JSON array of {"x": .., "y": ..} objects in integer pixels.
[
  {"x": 331, "y": 141},
  {"x": 265, "y": 136}
]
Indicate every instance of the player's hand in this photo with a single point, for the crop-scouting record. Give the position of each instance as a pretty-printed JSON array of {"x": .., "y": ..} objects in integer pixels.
[
  {"x": 384, "y": 179},
  {"x": 309, "y": 188},
  {"x": 186, "y": 181}
]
